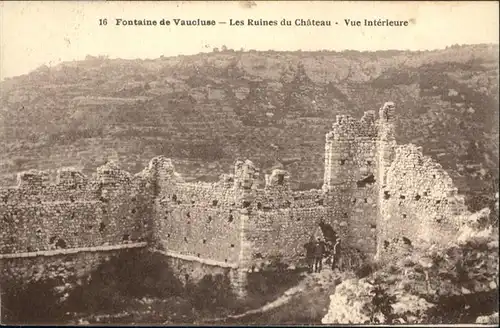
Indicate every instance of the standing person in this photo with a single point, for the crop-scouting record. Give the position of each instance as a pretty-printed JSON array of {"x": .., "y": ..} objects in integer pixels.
[
  {"x": 309, "y": 246},
  {"x": 336, "y": 251},
  {"x": 319, "y": 251}
]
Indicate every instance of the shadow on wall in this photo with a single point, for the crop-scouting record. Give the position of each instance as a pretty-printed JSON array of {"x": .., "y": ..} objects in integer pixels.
[
  {"x": 115, "y": 286},
  {"x": 124, "y": 283}
]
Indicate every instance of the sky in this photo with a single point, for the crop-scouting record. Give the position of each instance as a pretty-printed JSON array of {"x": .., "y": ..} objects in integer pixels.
[{"x": 48, "y": 32}]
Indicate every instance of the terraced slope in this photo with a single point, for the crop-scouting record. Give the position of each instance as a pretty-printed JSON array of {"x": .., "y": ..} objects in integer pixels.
[{"x": 206, "y": 110}]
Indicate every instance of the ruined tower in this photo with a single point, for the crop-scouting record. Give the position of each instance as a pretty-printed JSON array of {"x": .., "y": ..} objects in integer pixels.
[{"x": 357, "y": 153}]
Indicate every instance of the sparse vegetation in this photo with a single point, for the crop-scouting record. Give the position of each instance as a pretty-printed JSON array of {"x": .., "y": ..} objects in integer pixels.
[
  {"x": 452, "y": 285},
  {"x": 136, "y": 287},
  {"x": 236, "y": 104}
]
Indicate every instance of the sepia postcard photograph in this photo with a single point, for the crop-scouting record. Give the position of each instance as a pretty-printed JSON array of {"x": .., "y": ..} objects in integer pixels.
[{"x": 249, "y": 163}]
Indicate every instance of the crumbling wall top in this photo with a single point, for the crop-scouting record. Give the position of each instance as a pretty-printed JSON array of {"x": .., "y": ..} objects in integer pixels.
[
  {"x": 71, "y": 177},
  {"x": 278, "y": 179},
  {"x": 112, "y": 173},
  {"x": 246, "y": 174},
  {"x": 410, "y": 157},
  {"x": 32, "y": 178},
  {"x": 346, "y": 127},
  {"x": 162, "y": 163},
  {"x": 387, "y": 112}
]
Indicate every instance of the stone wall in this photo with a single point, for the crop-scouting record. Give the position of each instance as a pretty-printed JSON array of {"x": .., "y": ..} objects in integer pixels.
[
  {"x": 193, "y": 269},
  {"x": 420, "y": 202},
  {"x": 280, "y": 223},
  {"x": 350, "y": 178},
  {"x": 110, "y": 208},
  {"x": 199, "y": 219},
  {"x": 374, "y": 191},
  {"x": 63, "y": 265}
]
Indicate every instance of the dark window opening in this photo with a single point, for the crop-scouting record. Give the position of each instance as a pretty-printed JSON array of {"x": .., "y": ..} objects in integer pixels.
[
  {"x": 204, "y": 241},
  {"x": 231, "y": 218},
  {"x": 373, "y": 226},
  {"x": 386, "y": 244},
  {"x": 215, "y": 202},
  {"x": 168, "y": 235},
  {"x": 133, "y": 211},
  {"x": 232, "y": 245},
  {"x": 402, "y": 197},
  {"x": 342, "y": 161},
  {"x": 174, "y": 198},
  {"x": 319, "y": 202},
  {"x": 434, "y": 176},
  {"x": 189, "y": 222},
  {"x": 366, "y": 181},
  {"x": 259, "y": 205},
  {"x": 406, "y": 241},
  {"x": 165, "y": 218},
  {"x": 192, "y": 202},
  {"x": 368, "y": 162},
  {"x": 125, "y": 237},
  {"x": 209, "y": 219},
  {"x": 188, "y": 214},
  {"x": 345, "y": 216},
  {"x": 61, "y": 243},
  {"x": 258, "y": 256},
  {"x": 438, "y": 201},
  {"x": 198, "y": 255},
  {"x": 366, "y": 200},
  {"x": 185, "y": 239},
  {"x": 417, "y": 197},
  {"x": 246, "y": 203},
  {"x": 439, "y": 220},
  {"x": 281, "y": 179},
  {"x": 354, "y": 200},
  {"x": 404, "y": 216},
  {"x": 298, "y": 219},
  {"x": 102, "y": 226},
  {"x": 425, "y": 193},
  {"x": 225, "y": 260}
]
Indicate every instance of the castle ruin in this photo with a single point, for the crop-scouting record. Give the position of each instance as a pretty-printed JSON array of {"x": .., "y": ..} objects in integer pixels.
[{"x": 375, "y": 191}]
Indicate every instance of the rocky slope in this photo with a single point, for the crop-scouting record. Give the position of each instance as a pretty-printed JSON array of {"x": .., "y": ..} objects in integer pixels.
[
  {"x": 274, "y": 108},
  {"x": 456, "y": 284}
]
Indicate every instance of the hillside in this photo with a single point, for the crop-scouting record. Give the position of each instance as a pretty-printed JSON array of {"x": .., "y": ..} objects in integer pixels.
[{"x": 206, "y": 110}]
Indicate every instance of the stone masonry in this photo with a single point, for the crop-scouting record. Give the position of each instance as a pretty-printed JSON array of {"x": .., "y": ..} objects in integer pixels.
[{"x": 374, "y": 192}]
